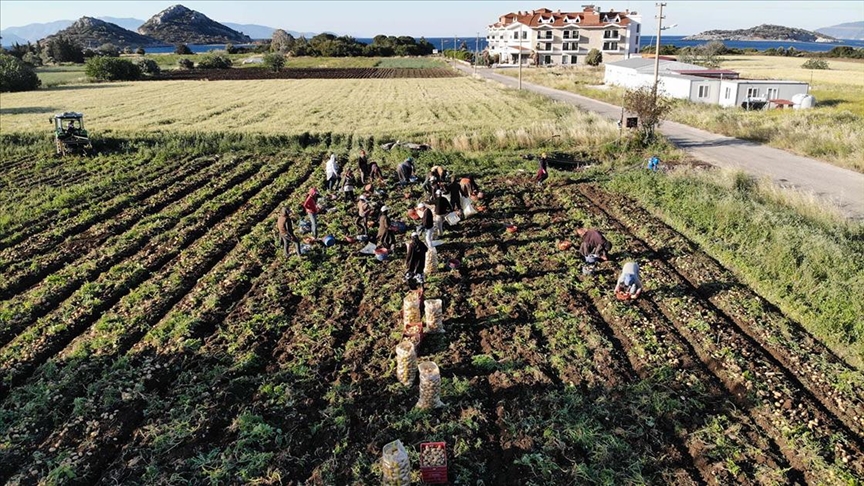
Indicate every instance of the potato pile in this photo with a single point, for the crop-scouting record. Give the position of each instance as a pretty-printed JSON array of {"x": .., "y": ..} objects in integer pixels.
[
  {"x": 395, "y": 464},
  {"x": 411, "y": 308},
  {"x": 433, "y": 456},
  {"x": 406, "y": 363},
  {"x": 434, "y": 320},
  {"x": 431, "y": 261},
  {"x": 430, "y": 385}
]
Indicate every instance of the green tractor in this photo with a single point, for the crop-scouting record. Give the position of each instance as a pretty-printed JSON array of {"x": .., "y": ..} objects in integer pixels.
[{"x": 69, "y": 133}]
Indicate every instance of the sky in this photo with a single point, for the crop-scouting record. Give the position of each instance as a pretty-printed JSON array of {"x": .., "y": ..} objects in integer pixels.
[{"x": 441, "y": 18}]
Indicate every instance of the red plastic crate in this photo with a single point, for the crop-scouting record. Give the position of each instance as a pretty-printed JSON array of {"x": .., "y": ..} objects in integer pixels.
[{"x": 433, "y": 474}]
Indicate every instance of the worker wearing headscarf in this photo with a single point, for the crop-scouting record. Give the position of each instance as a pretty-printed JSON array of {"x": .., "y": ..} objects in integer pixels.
[
  {"x": 542, "y": 169},
  {"x": 364, "y": 210},
  {"x": 332, "y": 173},
  {"x": 629, "y": 280},
  {"x": 385, "y": 237},
  {"x": 415, "y": 260},
  {"x": 405, "y": 171}
]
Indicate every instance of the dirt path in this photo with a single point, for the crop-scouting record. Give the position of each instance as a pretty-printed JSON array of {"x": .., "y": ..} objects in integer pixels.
[{"x": 843, "y": 187}]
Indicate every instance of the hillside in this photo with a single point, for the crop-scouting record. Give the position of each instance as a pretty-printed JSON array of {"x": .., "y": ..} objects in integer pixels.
[
  {"x": 178, "y": 24},
  {"x": 764, "y": 32},
  {"x": 849, "y": 30},
  {"x": 90, "y": 32}
]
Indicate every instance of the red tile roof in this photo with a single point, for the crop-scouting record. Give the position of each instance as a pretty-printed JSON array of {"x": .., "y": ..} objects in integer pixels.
[{"x": 587, "y": 18}]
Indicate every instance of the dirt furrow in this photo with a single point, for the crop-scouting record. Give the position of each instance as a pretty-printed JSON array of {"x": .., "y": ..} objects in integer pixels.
[{"x": 24, "y": 309}]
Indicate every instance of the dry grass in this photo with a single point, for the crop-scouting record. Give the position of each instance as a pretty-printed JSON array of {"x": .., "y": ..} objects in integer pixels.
[
  {"x": 833, "y": 131},
  {"x": 455, "y": 112}
]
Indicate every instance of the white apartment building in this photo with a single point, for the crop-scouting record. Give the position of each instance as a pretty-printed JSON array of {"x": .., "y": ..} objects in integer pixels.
[{"x": 563, "y": 38}]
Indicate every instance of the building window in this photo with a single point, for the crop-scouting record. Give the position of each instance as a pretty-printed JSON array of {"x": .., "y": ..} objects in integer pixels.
[
  {"x": 515, "y": 35},
  {"x": 703, "y": 91},
  {"x": 563, "y": 59},
  {"x": 752, "y": 92},
  {"x": 773, "y": 93},
  {"x": 572, "y": 59},
  {"x": 566, "y": 34},
  {"x": 524, "y": 35},
  {"x": 548, "y": 34},
  {"x": 728, "y": 93},
  {"x": 610, "y": 46},
  {"x": 637, "y": 28},
  {"x": 548, "y": 46},
  {"x": 610, "y": 34},
  {"x": 547, "y": 59}
]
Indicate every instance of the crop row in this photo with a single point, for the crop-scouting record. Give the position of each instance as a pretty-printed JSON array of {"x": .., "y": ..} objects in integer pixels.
[
  {"x": 56, "y": 329},
  {"x": 124, "y": 323},
  {"x": 48, "y": 209},
  {"x": 307, "y": 73},
  {"x": 42, "y": 237},
  {"x": 811, "y": 440},
  {"x": 25, "y": 272},
  {"x": 22, "y": 310},
  {"x": 102, "y": 420},
  {"x": 836, "y": 384}
]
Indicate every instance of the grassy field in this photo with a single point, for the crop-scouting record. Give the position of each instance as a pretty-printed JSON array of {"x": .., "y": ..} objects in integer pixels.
[
  {"x": 451, "y": 112},
  {"x": 833, "y": 131},
  {"x": 52, "y": 76}
]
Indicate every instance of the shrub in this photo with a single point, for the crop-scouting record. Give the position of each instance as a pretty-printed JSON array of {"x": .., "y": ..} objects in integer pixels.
[
  {"x": 274, "y": 61},
  {"x": 111, "y": 69},
  {"x": 109, "y": 50},
  {"x": 815, "y": 64},
  {"x": 148, "y": 67},
  {"x": 594, "y": 57},
  {"x": 230, "y": 49},
  {"x": 16, "y": 75},
  {"x": 186, "y": 63},
  {"x": 182, "y": 49},
  {"x": 140, "y": 51},
  {"x": 215, "y": 61}
]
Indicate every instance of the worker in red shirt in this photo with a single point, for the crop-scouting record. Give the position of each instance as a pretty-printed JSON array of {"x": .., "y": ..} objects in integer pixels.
[{"x": 312, "y": 209}]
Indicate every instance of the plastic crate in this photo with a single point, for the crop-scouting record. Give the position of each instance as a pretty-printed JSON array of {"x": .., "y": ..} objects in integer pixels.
[{"x": 433, "y": 474}]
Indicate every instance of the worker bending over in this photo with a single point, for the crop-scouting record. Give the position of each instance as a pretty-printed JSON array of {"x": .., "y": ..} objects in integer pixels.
[{"x": 629, "y": 281}]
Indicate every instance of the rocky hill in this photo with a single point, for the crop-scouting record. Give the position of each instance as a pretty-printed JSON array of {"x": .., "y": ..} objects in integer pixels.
[
  {"x": 180, "y": 25},
  {"x": 90, "y": 32},
  {"x": 849, "y": 30},
  {"x": 764, "y": 32}
]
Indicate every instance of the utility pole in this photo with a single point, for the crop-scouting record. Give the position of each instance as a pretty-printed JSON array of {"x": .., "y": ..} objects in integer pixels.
[
  {"x": 657, "y": 48},
  {"x": 520, "y": 56},
  {"x": 476, "y": 51}
]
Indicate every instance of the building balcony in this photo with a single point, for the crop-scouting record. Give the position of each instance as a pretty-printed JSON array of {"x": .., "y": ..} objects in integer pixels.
[{"x": 542, "y": 47}]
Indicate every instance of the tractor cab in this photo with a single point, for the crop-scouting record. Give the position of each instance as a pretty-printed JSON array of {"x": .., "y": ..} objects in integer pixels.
[{"x": 69, "y": 133}]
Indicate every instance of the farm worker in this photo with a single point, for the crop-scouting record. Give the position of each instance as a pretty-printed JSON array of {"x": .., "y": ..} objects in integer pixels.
[
  {"x": 427, "y": 222},
  {"x": 364, "y": 210},
  {"x": 332, "y": 171},
  {"x": 405, "y": 171},
  {"x": 375, "y": 172},
  {"x": 415, "y": 260},
  {"x": 70, "y": 129},
  {"x": 593, "y": 243},
  {"x": 468, "y": 187},
  {"x": 629, "y": 280},
  {"x": 430, "y": 186},
  {"x": 348, "y": 183},
  {"x": 442, "y": 208},
  {"x": 455, "y": 191},
  {"x": 312, "y": 209},
  {"x": 653, "y": 163},
  {"x": 542, "y": 170},
  {"x": 363, "y": 166},
  {"x": 286, "y": 231},
  {"x": 385, "y": 236}
]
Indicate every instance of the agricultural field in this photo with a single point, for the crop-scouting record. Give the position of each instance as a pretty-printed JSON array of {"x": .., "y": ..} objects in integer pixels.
[
  {"x": 305, "y": 73},
  {"x": 455, "y": 112},
  {"x": 832, "y": 131},
  {"x": 151, "y": 333}
]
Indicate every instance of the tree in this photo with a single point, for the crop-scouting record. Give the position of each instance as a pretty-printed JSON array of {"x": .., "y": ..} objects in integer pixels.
[
  {"x": 186, "y": 63},
  {"x": 109, "y": 50},
  {"x": 230, "y": 49},
  {"x": 148, "y": 67},
  {"x": 111, "y": 69},
  {"x": 182, "y": 49},
  {"x": 815, "y": 64},
  {"x": 16, "y": 75},
  {"x": 215, "y": 61},
  {"x": 63, "y": 49},
  {"x": 650, "y": 107},
  {"x": 140, "y": 51},
  {"x": 594, "y": 57},
  {"x": 274, "y": 61}
]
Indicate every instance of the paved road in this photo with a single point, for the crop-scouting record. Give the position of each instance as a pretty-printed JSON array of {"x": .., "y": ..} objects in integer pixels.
[{"x": 843, "y": 187}]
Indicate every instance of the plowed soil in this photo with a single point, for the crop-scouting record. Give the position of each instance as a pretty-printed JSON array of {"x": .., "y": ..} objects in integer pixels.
[
  {"x": 166, "y": 340},
  {"x": 304, "y": 73}
]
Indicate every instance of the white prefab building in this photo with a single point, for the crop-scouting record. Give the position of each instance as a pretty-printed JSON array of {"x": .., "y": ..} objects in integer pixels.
[
  {"x": 548, "y": 38},
  {"x": 699, "y": 85}
]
